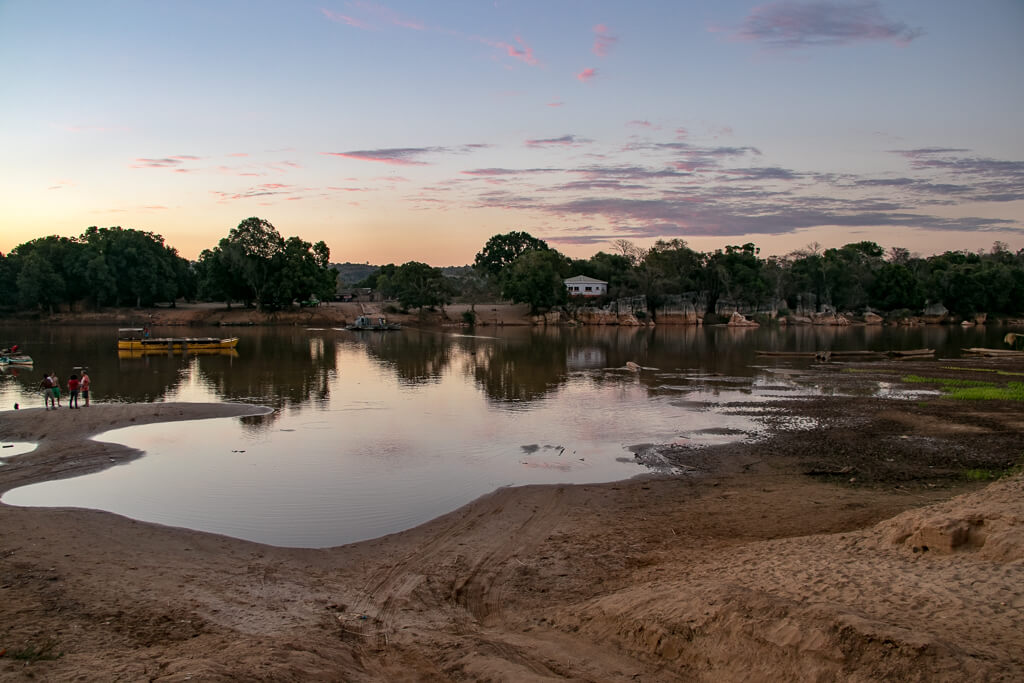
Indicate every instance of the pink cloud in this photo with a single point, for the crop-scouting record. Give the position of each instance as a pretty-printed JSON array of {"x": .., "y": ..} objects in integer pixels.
[
  {"x": 640, "y": 123},
  {"x": 239, "y": 154},
  {"x": 369, "y": 15},
  {"x": 603, "y": 40},
  {"x": 523, "y": 52},
  {"x": 555, "y": 104},
  {"x": 373, "y": 13},
  {"x": 586, "y": 75},
  {"x": 344, "y": 19}
]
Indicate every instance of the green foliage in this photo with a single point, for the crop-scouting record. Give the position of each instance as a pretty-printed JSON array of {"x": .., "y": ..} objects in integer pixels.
[
  {"x": 417, "y": 285},
  {"x": 502, "y": 250},
  {"x": 254, "y": 264},
  {"x": 536, "y": 278},
  {"x": 469, "y": 317}
]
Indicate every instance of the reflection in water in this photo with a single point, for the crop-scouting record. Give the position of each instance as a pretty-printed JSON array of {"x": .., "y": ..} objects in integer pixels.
[
  {"x": 520, "y": 368},
  {"x": 376, "y": 433},
  {"x": 288, "y": 367},
  {"x": 417, "y": 357},
  {"x": 140, "y": 353}
]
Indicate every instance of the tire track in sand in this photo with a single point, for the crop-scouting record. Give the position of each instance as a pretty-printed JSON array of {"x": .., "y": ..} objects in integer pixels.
[{"x": 494, "y": 530}]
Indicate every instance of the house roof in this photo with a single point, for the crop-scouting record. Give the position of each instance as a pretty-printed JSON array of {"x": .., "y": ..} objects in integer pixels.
[{"x": 584, "y": 280}]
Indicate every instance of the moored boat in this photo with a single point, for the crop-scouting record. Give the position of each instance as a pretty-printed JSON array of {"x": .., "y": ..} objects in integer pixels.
[
  {"x": 136, "y": 339},
  {"x": 365, "y": 322}
]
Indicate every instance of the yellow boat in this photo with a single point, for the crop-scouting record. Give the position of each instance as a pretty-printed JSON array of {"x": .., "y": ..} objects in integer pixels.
[{"x": 137, "y": 339}]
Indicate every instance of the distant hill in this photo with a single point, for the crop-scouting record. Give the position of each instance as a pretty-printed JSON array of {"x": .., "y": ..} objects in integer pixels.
[{"x": 351, "y": 273}]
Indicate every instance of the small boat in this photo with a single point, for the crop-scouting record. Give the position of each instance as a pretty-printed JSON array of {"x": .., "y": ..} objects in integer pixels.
[
  {"x": 910, "y": 353},
  {"x": 993, "y": 353},
  {"x": 17, "y": 359},
  {"x": 137, "y": 339},
  {"x": 365, "y": 322}
]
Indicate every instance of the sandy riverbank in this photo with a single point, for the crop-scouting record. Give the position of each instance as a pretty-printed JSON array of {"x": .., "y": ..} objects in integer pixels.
[
  {"x": 328, "y": 314},
  {"x": 747, "y": 569}
]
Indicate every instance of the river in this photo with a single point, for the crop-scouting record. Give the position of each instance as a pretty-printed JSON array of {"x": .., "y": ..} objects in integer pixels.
[{"x": 375, "y": 432}]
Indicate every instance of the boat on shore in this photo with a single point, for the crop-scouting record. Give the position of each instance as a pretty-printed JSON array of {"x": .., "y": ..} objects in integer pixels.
[
  {"x": 137, "y": 339},
  {"x": 366, "y": 323}
]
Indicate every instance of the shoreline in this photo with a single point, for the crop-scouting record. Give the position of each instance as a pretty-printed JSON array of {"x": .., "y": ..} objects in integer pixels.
[{"x": 751, "y": 566}]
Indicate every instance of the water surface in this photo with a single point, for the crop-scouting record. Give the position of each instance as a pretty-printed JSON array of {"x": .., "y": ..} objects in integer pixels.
[{"x": 372, "y": 433}]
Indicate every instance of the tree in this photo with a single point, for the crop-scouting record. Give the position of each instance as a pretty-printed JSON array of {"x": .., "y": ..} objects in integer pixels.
[
  {"x": 612, "y": 268},
  {"x": 502, "y": 250},
  {"x": 248, "y": 252},
  {"x": 417, "y": 285},
  {"x": 895, "y": 287},
  {"x": 39, "y": 283},
  {"x": 735, "y": 274},
  {"x": 143, "y": 269},
  {"x": 536, "y": 278}
]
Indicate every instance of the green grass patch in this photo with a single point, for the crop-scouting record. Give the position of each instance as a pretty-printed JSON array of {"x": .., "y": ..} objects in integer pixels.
[
  {"x": 947, "y": 383},
  {"x": 982, "y": 474},
  {"x": 987, "y": 474},
  {"x": 972, "y": 389},
  {"x": 1014, "y": 391},
  {"x": 992, "y": 370}
]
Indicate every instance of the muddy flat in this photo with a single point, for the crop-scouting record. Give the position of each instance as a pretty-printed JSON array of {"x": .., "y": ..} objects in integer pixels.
[{"x": 849, "y": 542}]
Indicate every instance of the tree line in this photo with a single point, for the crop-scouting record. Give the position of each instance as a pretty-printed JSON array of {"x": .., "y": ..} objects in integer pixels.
[
  {"x": 255, "y": 266},
  {"x": 856, "y": 277}
]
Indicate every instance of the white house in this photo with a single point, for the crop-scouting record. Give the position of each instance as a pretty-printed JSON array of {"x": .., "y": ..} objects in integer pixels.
[{"x": 581, "y": 285}]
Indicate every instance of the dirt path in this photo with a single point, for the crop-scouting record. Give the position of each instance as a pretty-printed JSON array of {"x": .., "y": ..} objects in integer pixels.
[{"x": 747, "y": 568}]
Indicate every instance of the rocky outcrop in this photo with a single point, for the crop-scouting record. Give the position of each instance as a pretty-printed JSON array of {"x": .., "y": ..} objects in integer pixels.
[
  {"x": 630, "y": 320},
  {"x": 679, "y": 310},
  {"x": 737, "y": 320},
  {"x": 595, "y": 316},
  {"x": 935, "y": 313},
  {"x": 873, "y": 319},
  {"x": 549, "y": 318},
  {"x": 829, "y": 319}
]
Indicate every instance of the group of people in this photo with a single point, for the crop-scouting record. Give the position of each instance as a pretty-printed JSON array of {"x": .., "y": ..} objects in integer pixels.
[{"x": 76, "y": 385}]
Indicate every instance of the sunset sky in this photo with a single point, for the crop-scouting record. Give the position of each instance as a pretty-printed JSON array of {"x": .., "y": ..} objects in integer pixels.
[{"x": 415, "y": 130}]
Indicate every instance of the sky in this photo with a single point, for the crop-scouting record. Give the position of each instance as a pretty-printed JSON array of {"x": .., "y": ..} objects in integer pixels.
[{"x": 416, "y": 130}]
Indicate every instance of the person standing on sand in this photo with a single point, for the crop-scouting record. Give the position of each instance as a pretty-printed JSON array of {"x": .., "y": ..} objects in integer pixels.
[
  {"x": 84, "y": 386},
  {"x": 73, "y": 385},
  {"x": 55, "y": 389},
  {"x": 47, "y": 386}
]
